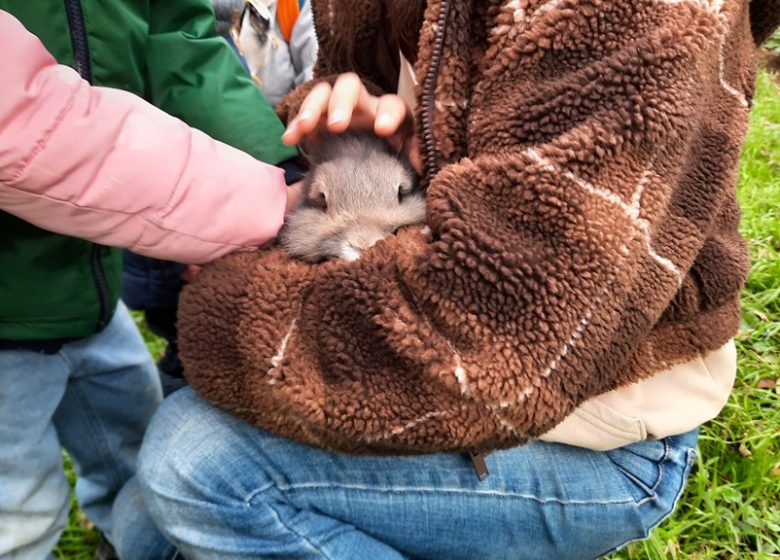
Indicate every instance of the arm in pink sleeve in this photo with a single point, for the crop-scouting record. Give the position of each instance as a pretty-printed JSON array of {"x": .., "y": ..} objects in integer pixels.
[{"x": 104, "y": 165}]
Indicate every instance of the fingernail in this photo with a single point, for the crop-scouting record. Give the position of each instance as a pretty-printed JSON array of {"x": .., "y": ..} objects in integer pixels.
[
  {"x": 303, "y": 115},
  {"x": 337, "y": 116},
  {"x": 383, "y": 121}
]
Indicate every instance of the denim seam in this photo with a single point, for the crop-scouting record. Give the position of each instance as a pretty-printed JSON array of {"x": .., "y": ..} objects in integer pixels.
[
  {"x": 661, "y": 473},
  {"x": 249, "y": 498},
  {"x": 420, "y": 490},
  {"x": 95, "y": 428},
  {"x": 68, "y": 362},
  {"x": 292, "y": 531},
  {"x": 284, "y": 488}
]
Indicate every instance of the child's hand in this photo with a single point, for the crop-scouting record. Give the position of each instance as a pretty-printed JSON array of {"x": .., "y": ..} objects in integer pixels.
[
  {"x": 349, "y": 105},
  {"x": 189, "y": 273},
  {"x": 294, "y": 194}
]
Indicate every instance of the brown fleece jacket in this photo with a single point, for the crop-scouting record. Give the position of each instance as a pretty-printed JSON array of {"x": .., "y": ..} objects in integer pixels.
[{"x": 581, "y": 159}]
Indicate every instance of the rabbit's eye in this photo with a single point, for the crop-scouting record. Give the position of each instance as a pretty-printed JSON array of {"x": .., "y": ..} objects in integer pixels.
[
  {"x": 319, "y": 201},
  {"x": 401, "y": 194}
]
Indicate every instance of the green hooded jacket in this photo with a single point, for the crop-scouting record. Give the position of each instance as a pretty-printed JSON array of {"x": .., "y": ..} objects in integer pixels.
[{"x": 55, "y": 287}]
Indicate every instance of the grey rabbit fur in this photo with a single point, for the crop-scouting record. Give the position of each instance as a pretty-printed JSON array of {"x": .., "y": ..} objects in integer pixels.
[{"x": 358, "y": 191}]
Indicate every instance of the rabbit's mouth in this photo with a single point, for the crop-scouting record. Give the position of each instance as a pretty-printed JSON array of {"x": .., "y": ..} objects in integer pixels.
[{"x": 355, "y": 242}]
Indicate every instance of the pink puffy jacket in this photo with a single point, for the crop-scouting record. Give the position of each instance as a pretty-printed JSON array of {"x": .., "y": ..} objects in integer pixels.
[{"x": 104, "y": 165}]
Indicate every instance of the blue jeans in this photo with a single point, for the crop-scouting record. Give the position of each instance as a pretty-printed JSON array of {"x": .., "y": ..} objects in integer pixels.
[
  {"x": 94, "y": 398},
  {"x": 222, "y": 489}
]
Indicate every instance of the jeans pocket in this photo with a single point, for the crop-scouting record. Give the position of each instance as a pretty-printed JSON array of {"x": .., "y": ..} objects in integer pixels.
[
  {"x": 641, "y": 465},
  {"x": 656, "y": 484}
]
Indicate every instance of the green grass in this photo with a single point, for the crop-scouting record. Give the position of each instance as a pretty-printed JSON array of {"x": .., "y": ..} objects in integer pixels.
[
  {"x": 79, "y": 539},
  {"x": 731, "y": 507}
]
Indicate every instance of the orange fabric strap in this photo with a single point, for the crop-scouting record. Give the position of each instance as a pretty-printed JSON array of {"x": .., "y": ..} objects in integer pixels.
[{"x": 286, "y": 13}]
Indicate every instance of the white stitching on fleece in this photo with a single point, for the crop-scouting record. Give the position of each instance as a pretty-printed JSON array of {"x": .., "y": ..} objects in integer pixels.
[
  {"x": 277, "y": 358},
  {"x": 629, "y": 210},
  {"x": 716, "y": 7}
]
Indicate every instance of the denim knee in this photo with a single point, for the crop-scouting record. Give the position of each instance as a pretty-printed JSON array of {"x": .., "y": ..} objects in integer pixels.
[
  {"x": 161, "y": 455},
  {"x": 135, "y": 535},
  {"x": 196, "y": 477},
  {"x": 190, "y": 451}
]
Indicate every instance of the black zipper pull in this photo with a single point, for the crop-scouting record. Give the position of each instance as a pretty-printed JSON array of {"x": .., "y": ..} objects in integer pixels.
[{"x": 480, "y": 466}]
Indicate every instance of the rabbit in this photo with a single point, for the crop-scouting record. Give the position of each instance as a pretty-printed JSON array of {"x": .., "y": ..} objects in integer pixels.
[{"x": 358, "y": 191}]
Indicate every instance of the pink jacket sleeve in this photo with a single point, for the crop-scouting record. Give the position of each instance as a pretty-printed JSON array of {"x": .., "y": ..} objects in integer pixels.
[{"x": 104, "y": 165}]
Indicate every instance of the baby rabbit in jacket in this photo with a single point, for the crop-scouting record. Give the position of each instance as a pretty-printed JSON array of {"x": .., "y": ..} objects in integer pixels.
[{"x": 358, "y": 191}]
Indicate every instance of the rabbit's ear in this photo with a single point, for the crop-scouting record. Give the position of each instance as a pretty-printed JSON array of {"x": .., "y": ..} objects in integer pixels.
[
  {"x": 314, "y": 148},
  {"x": 304, "y": 148},
  {"x": 314, "y": 196},
  {"x": 310, "y": 152}
]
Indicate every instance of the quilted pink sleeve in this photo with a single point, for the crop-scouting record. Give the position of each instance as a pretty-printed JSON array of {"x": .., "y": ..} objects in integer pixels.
[{"x": 104, "y": 165}]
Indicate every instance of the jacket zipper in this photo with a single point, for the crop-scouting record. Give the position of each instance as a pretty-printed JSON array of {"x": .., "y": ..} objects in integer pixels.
[
  {"x": 427, "y": 104},
  {"x": 101, "y": 284},
  {"x": 427, "y": 101},
  {"x": 78, "y": 37}
]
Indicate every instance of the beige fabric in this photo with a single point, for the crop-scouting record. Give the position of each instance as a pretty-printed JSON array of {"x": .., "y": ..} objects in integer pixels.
[
  {"x": 671, "y": 402},
  {"x": 406, "y": 83}
]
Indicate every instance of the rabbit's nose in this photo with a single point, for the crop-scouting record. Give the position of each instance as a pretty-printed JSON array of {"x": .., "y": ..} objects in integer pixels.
[{"x": 358, "y": 241}]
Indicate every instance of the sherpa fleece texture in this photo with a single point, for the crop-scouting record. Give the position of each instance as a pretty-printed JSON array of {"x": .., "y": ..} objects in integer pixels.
[{"x": 582, "y": 233}]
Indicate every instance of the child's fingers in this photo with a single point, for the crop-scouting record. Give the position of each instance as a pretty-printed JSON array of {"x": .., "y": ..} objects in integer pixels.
[
  {"x": 347, "y": 96},
  {"x": 348, "y": 105},
  {"x": 190, "y": 272},
  {"x": 391, "y": 115},
  {"x": 314, "y": 106},
  {"x": 308, "y": 118},
  {"x": 294, "y": 195}
]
